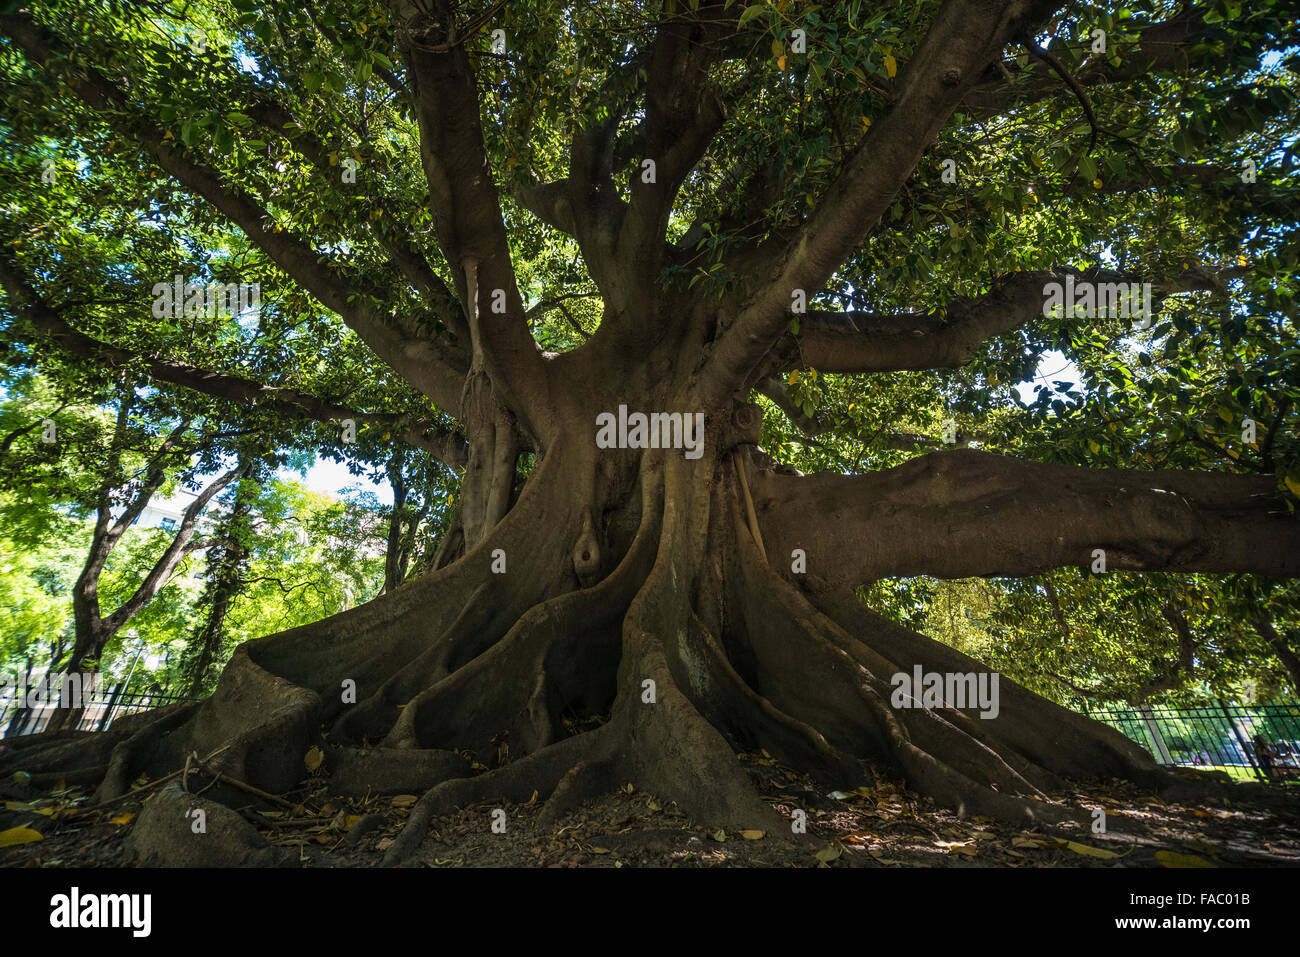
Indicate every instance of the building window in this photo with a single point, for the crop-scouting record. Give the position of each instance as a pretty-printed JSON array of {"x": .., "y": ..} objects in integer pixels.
[{"x": 168, "y": 524}]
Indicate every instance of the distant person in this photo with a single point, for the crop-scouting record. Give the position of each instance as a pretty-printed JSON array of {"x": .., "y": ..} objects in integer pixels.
[
  {"x": 1287, "y": 765},
  {"x": 1264, "y": 755}
]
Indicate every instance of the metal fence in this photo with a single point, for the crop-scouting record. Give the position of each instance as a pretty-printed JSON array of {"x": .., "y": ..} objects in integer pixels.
[
  {"x": 102, "y": 709},
  {"x": 1260, "y": 742}
]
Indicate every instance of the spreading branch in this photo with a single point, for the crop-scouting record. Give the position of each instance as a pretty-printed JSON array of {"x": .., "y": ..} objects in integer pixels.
[
  {"x": 683, "y": 114},
  {"x": 963, "y": 513},
  {"x": 278, "y": 121},
  {"x": 446, "y": 445},
  {"x": 463, "y": 199},
  {"x": 875, "y": 342},
  {"x": 1168, "y": 46}
]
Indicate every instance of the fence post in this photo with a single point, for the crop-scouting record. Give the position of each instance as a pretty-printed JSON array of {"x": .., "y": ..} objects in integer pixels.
[
  {"x": 1148, "y": 719},
  {"x": 110, "y": 706},
  {"x": 1249, "y": 752}
]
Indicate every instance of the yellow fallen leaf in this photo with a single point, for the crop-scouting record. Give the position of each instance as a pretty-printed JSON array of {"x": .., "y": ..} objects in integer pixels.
[
  {"x": 891, "y": 65},
  {"x": 1087, "y": 851},
  {"x": 124, "y": 818},
  {"x": 600, "y": 850},
  {"x": 1030, "y": 842},
  {"x": 958, "y": 847},
  {"x": 313, "y": 758},
  {"x": 350, "y": 820},
  {"x": 751, "y": 835},
  {"x": 19, "y": 835},
  {"x": 719, "y": 835},
  {"x": 1173, "y": 859},
  {"x": 404, "y": 800}
]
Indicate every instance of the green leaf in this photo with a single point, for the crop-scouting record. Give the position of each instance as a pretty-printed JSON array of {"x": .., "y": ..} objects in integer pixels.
[{"x": 752, "y": 12}]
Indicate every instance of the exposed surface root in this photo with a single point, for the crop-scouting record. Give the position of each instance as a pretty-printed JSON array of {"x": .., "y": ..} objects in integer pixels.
[
  {"x": 538, "y": 773},
  {"x": 357, "y": 772}
]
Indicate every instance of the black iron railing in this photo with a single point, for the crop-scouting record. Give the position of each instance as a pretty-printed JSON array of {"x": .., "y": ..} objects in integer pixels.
[
  {"x": 1250, "y": 742},
  {"x": 101, "y": 709}
]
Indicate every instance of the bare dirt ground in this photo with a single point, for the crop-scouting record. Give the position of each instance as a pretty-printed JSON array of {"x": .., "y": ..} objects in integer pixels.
[{"x": 876, "y": 825}]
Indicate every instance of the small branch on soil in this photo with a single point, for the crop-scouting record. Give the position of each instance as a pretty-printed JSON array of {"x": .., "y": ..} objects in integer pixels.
[
  {"x": 258, "y": 792},
  {"x": 152, "y": 784}
]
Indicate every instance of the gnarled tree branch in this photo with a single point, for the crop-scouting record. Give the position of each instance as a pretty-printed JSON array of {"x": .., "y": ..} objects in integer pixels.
[
  {"x": 874, "y": 342},
  {"x": 963, "y": 513},
  {"x": 465, "y": 205}
]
